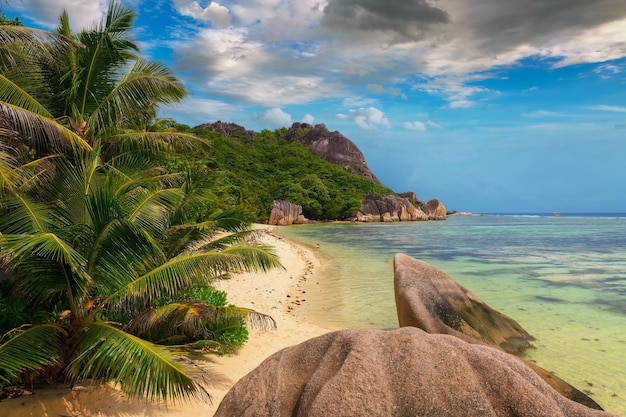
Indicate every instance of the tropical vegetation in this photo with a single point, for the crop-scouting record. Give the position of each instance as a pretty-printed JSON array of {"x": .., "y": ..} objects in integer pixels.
[
  {"x": 106, "y": 254},
  {"x": 251, "y": 173}
]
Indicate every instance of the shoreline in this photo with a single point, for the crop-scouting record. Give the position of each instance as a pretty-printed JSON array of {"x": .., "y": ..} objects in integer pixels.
[{"x": 277, "y": 293}]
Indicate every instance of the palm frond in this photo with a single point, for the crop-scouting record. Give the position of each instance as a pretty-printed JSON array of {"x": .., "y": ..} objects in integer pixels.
[
  {"x": 21, "y": 177},
  {"x": 107, "y": 50},
  {"x": 190, "y": 269},
  {"x": 23, "y": 215},
  {"x": 17, "y": 42},
  {"x": 255, "y": 257},
  {"x": 13, "y": 94},
  {"x": 31, "y": 349},
  {"x": 150, "y": 209},
  {"x": 41, "y": 245},
  {"x": 181, "y": 318},
  {"x": 141, "y": 368},
  {"x": 253, "y": 318},
  {"x": 43, "y": 132},
  {"x": 193, "y": 320},
  {"x": 145, "y": 86},
  {"x": 156, "y": 142}
]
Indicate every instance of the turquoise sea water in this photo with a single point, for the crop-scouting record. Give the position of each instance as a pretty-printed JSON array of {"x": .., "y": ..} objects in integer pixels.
[{"x": 562, "y": 278}]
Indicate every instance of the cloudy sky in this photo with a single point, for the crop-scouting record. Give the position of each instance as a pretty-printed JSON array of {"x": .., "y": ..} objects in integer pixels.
[{"x": 488, "y": 105}]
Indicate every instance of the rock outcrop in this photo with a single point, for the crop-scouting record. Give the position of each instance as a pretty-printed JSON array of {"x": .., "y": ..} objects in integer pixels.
[
  {"x": 429, "y": 299},
  {"x": 332, "y": 147},
  {"x": 435, "y": 210},
  {"x": 229, "y": 130},
  {"x": 404, "y": 372},
  {"x": 387, "y": 208},
  {"x": 285, "y": 213},
  {"x": 397, "y": 208}
]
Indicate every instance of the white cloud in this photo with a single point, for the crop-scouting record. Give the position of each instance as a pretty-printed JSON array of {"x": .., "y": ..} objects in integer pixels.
[
  {"x": 308, "y": 119},
  {"x": 358, "y": 102},
  {"x": 419, "y": 126},
  {"x": 83, "y": 13},
  {"x": 432, "y": 125},
  {"x": 461, "y": 104},
  {"x": 603, "y": 107},
  {"x": 376, "y": 88},
  {"x": 541, "y": 113},
  {"x": 369, "y": 118},
  {"x": 214, "y": 12},
  {"x": 341, "y": 116},
  {"x": 277, "y": 117},
  {"x": 202, "y": 110}
]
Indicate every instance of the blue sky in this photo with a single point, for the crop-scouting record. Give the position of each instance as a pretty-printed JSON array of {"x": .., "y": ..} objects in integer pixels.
[{"x": 488, "y": 105}]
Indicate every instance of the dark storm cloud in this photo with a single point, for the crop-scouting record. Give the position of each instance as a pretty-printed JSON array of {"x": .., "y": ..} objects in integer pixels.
[
  {"x": 407, "y": 19},
  {"x": 507, "y": 23}
]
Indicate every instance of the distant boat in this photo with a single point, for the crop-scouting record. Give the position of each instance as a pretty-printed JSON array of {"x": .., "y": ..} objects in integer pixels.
[{"x": 556, "y": 213}]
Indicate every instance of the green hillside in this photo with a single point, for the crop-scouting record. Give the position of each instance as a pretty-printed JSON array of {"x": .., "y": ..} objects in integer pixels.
[{"x": 251, "y": 173}]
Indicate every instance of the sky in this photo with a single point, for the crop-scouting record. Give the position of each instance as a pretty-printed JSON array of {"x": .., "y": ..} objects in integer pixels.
[{"x": 491, "y": 106}]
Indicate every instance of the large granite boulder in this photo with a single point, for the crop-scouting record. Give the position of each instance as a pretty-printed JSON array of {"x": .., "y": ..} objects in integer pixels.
[
  {"x": 429, "y": 299},
  {"x": 435, "y": 210},
  {"x": 399, "y": 373},
  {"x": 387, "y": 208},
  {"x": 285, "y": 213},
  {"x": 332, "y": 147}
]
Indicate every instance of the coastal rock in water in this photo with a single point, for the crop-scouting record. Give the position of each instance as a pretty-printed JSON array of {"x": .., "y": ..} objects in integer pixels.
[
  {"x": 435, "y": 210},
  {"x": 429, "y": 299},
  {"x": 285, "y": 213},
  {"x": 388, "y": 208},
  {"x": 332, "y": 147},
  {"x": 404, "y": 372}
]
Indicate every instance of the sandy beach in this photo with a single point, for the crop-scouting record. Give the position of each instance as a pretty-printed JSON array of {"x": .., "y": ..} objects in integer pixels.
[{"x": 277, "y": 293}]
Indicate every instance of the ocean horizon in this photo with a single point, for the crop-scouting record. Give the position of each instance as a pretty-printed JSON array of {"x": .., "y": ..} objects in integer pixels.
[{"x": 563, "y": 278}]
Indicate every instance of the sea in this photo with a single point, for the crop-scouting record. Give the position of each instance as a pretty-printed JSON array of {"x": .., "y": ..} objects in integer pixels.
[{"x": 563, "y": 278}]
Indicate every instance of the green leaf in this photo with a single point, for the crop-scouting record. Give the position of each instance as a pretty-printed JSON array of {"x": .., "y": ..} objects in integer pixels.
[
  {"x": 33, "y": 348},
  {"x": 141, "y": 368}
]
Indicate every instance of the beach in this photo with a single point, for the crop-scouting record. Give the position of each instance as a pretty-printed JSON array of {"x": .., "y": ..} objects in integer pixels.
[{"x": 277, "y": 293}]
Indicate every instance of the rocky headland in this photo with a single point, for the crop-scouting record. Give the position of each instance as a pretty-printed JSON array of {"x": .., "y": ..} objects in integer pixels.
[{"x": 337, "y": 149}]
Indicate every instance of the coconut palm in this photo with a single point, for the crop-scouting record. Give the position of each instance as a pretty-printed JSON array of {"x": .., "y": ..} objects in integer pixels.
[
  {"x": 108, "y": 244},
  {"x": 92, "y": 232},
  {"x": 60, "y": 91}
]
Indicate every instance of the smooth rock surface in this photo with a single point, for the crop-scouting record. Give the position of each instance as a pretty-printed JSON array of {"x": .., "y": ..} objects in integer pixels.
[
  {"x": 332, "y": 147},
  {"x": 388, "y": 208},
  {"x": 429, "y": 299},
  {"x": 285, "y": 213},
  {"x": 401, "y": 373}
]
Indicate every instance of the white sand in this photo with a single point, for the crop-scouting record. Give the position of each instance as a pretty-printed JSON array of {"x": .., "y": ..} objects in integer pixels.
[{"x": 277, "y": 293}]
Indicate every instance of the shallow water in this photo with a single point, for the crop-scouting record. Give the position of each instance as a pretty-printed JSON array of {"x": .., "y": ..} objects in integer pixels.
[{"x": 562, "y": 278}]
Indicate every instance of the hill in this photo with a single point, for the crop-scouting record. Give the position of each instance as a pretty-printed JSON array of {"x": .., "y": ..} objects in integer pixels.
[{"x": 322, "y": 171}]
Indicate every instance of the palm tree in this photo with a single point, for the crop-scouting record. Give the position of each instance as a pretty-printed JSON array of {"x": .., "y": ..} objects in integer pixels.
[
  {"x": 62, "y": 91},
  {"x": 92, "y": 232},
  {"x": 109, "y": 242}
]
